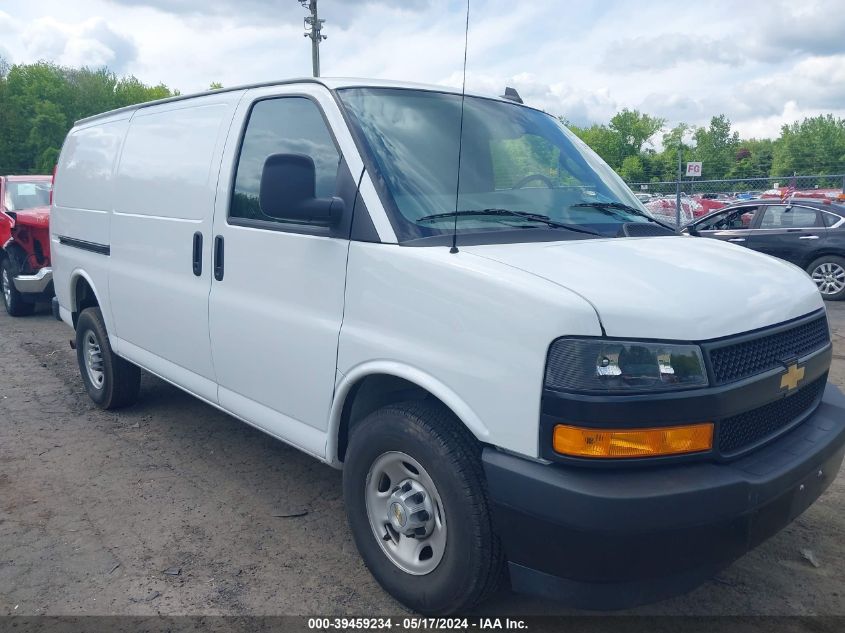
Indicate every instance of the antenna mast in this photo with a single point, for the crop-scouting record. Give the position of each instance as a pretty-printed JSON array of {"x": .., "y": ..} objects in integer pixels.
[
  {"x": 454, "y": 248},
  {"x": 314, "y": 30}
]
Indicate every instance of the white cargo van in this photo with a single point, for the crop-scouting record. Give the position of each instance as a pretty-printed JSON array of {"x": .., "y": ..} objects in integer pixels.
[{"x": 515, "y": 366}]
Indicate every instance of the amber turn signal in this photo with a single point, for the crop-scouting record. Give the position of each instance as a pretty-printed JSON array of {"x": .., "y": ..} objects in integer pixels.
[{"x": 619, "y": 443}]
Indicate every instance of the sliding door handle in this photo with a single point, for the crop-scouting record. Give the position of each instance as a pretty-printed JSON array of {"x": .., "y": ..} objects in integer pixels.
[
  {"x": 198, "y": 254},
  {"x": 218, "y": 258},
  {"x": 809, "y": 237}
]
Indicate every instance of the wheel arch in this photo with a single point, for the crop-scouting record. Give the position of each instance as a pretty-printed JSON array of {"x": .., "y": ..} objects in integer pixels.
[
  {"x": 83, "y": 294},
  {"x": 372, "y": 385},
  {"x": 822, "y": 252}
]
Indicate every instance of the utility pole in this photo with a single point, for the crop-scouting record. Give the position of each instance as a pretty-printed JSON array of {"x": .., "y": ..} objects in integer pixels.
[{"x": 314, "y": 30}]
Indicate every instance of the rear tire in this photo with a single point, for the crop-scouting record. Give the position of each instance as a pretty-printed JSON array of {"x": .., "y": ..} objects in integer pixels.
[
  {"x": 464, "y": 564},
  {"x": 13, "y": 300},
  {"x": 110, "y": 381},
  {"x": 828, "y": 272}
]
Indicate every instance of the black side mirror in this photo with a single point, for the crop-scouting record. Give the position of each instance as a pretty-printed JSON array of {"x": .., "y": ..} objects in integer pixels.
[
  {"x": 691, "y": 230},
  {"x": 287, "y": 191}
]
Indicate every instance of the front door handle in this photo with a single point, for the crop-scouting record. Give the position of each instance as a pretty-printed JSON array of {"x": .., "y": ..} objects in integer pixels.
[
  {"x": 737, "y": 239},
  {"x": 809, "y": 237},
  {"x": 218, "y": 258},
  {"x": 198, "y": 254}
]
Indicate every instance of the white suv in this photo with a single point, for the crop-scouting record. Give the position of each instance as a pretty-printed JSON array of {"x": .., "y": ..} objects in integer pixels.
[{"x": 512, "y": 362}]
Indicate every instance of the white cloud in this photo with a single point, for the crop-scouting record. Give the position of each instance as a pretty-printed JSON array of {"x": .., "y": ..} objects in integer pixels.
[
  {"x": 584, "y": 61},
  {"x": 254, "y": 12},
  {"x": 91, "y": 43},
  {"x": 668, "y": 50}
]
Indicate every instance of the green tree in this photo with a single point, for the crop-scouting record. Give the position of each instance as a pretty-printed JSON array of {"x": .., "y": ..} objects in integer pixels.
[
  {"x": 632, "y": 169},
  {"x": 49, "y": 127},
  {"x": 130, "y": 90},
  {"x": 625, "y": 136},
  {"x": 633, "y": 130},
  {"x": 815, "y": 145},
  {"x": 601, "y": 140},
  {"x": 753, "y": 159},
  {"x": 40, "y": 102},
  {"x": 715, "y": 147},
  {"x": 666, "y": 163}
]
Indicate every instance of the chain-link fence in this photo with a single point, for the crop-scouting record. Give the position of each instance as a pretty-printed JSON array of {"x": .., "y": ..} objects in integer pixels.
[{"x": 700, "y": 197}]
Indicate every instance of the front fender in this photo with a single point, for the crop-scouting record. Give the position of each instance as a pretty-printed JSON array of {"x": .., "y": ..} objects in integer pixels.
[{"x": 416, "y": 376}]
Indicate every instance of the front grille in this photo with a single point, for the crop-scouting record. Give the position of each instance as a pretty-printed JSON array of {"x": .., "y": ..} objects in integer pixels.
[
  {"x": 742, "y": 431},
  {"x": 739, "y": 360}
]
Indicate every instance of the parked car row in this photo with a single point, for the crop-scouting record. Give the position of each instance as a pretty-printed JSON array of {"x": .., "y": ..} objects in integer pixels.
[{"x": 26, "y": 277}]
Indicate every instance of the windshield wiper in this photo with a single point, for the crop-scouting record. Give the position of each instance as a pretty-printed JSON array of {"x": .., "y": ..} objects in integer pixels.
[
  {"x": 608, "y": 206},
  {"x": 534, "y": 217}
]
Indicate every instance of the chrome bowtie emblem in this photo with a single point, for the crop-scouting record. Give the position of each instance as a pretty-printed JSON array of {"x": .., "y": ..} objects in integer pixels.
[
  {"x": 794, "y": 374},
  {"x": 398, "y": 514}
]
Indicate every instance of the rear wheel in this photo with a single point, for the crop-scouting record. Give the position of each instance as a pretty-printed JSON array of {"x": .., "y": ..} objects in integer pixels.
[
  {"x": 828, "y": 272},
  {"x": 110, "y": 381},
  {"x": 416, "y": 500},
  {"x": 12, "y": 299}
]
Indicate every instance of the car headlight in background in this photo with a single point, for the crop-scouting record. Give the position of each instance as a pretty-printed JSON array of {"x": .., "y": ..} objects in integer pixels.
[{"x": 609, "y": 366}]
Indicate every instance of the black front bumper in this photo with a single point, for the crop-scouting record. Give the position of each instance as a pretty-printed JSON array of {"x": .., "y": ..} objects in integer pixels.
[{"x": 614, "y": 538}]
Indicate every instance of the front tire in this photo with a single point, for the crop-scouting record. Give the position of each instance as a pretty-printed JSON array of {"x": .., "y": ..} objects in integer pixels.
[
  {"x": 110, "y": 381},
  {"x": 828, "y": 272},
  {"x": 12, "y": 299},
  {"x": 417, "y": 505}
]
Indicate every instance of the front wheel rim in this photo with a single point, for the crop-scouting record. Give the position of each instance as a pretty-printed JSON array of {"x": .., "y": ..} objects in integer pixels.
[
  {"x": 406, "y": 513},
  {"x": 829, "y": 277},
  {"x": 92, "y": 354}
]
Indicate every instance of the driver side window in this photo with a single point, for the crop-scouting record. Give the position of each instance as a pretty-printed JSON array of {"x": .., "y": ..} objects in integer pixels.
[
  {"x": 282, "y": 125},
  {"x": 730, "y": 220}
]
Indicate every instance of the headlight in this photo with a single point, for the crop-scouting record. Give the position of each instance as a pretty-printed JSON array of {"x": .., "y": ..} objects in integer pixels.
[{"x": 598, "y": 365}]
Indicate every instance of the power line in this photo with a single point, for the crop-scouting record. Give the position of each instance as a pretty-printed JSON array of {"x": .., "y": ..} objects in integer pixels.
[{"x": 314, "y": 30}]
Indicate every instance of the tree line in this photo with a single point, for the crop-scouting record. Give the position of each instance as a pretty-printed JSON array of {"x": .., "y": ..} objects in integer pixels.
[
  {"x": 40, "y": 102},
  {"x": 813, "y": 146}
]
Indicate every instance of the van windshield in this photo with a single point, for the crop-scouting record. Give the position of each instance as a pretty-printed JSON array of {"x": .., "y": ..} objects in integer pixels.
[{"x": 513, "y": 159}]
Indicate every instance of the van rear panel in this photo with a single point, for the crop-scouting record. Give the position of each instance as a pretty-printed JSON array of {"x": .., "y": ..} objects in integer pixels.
[{"x": 83, "y": 198}]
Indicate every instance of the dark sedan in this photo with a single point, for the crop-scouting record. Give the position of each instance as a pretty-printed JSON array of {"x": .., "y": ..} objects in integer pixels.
[{"x": 808, "y": 233}]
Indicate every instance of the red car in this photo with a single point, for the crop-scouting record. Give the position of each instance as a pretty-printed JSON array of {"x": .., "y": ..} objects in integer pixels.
[{"x": 26, "y": 277}]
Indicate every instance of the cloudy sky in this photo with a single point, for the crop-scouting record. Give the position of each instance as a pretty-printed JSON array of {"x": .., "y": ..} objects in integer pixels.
[{"x": 761, "y": 62}]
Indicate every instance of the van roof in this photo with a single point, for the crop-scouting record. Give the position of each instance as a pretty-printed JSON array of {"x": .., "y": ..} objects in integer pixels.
[{"x": 332, "y": 83}]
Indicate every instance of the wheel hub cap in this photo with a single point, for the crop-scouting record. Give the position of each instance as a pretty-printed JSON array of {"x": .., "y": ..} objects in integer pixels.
[
  {"x": 406, "y": 513},
  {"x": 410, "y": 511},
  {"x": 829, "y": 277},
  {"x": 93, "y": 356},
  {"x": 7, "y": 287}
]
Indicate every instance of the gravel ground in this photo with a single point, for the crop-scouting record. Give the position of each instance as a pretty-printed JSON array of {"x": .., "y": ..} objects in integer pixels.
[{"x": 168, "y": 508}]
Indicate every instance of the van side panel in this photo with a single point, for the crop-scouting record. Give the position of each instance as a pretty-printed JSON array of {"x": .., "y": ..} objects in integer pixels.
[
  {"x": 82, "y": 203},
  {"x": 165, "y": 185}
]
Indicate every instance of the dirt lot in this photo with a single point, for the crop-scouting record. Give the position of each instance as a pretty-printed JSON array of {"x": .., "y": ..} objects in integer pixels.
[{"x": 95, "y": 506}]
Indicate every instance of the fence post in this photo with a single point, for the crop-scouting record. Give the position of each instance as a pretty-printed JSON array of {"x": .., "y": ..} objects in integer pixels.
[{"x": 678, "y": 189}]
